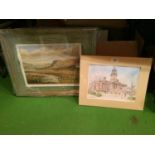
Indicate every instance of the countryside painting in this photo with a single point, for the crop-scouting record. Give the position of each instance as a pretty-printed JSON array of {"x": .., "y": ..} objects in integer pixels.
[
  {"x": 50, "y": 64},
  {"x": 112, "y": 83}
]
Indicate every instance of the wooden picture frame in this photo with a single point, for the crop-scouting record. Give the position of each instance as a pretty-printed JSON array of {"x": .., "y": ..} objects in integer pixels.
[
  {"x": 116, "y": 82},
  {"x": 11, "y": 39}
]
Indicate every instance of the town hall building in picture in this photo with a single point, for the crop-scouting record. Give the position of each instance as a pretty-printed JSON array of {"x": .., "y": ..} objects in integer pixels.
[{"x": 112, "y": 86}]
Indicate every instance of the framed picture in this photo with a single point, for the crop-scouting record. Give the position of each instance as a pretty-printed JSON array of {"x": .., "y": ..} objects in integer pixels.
[
  {"x": 45, "y": 62},
  {"x": 118, "y": 82},
  {"x": 49, "y": 64}
]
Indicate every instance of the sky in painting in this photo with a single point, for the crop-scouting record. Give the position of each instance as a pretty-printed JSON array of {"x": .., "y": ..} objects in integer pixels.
[
  {"x": 38, "y": 47},
  {"x": 30, "y": 47}
]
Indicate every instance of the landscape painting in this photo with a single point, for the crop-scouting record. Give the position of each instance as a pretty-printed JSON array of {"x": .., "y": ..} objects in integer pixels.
[
  {"x": 112, "y": 83},
  {"x": 50, "y": 64}
]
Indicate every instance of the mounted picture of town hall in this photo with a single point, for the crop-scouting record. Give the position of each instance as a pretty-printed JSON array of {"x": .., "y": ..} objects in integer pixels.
[{"x": 112, "y": 83}]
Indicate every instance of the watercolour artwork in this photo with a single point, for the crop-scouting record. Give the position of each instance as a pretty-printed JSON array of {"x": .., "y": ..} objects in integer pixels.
[
  {"x": 113, "y": 83},
  {"x": 49, "y": 64}
]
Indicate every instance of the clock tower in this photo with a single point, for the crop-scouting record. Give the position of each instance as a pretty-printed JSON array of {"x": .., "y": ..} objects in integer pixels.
[{"x": 114, "y": 75}]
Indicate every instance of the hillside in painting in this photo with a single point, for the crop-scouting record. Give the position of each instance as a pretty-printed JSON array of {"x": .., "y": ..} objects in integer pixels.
[{"x": 51, "y": 66}]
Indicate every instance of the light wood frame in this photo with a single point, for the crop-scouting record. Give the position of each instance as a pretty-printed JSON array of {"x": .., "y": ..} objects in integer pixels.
[{"x": 143, "y": 63}]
